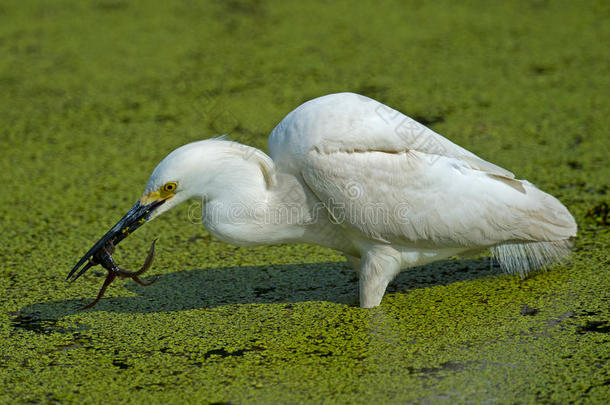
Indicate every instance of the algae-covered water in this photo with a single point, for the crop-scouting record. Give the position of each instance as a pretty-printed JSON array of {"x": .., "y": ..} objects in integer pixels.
[{"x": 94, "y": 93}]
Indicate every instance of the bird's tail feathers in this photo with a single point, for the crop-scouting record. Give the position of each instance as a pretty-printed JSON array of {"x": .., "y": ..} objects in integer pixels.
[{"x": 522, "y": 257}]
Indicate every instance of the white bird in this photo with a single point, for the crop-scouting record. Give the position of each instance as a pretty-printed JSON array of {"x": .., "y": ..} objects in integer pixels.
[{"x": 352, "y": 174}]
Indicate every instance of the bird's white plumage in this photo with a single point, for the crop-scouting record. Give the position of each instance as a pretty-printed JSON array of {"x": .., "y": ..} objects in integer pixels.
[
  {"x": 355, "y": 175},
  {"x": 348, "y": 122}
]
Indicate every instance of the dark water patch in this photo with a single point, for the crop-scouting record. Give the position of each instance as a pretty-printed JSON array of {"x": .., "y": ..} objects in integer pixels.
[
  {"x": 429, "y": 120},
  {"x": 600, "y": 214},
  {"x": 318, "y": 353},
  {"x": 317, "y": 337},
  {"x": 120, "y": 364},
  {"x": 594, "y": 326},
  {"x": 574, "y": 165},
  {"x": 589, "y": 313},
  {"x": 526, "y": 310},
  {"x": 223, "y": 353},
  {"x": 540, "y": 70}
]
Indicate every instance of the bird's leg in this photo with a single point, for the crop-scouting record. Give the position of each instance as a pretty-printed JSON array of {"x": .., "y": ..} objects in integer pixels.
[
  {"x": 104, "y": 258},
  {"x": 378, "y": 267}
]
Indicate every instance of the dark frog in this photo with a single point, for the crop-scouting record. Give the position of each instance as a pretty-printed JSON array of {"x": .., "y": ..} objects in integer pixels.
[{"x": 101, "y": 252}]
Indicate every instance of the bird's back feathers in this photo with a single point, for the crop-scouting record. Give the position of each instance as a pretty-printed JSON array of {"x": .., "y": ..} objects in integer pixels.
[{"x": 356, "y": 153}]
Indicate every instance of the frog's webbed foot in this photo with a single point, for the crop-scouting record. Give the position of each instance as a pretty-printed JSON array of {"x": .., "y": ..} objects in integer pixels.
[
  {"x": 104, "y": 257},
  {"x": 109, "y": 279},
  {"x": 134, "y": 275}
]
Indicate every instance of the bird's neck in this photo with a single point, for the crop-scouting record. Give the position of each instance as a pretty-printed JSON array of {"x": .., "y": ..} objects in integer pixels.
[
  {"x": 247, "y": 202},
  {"x": 236, "y": 172}
]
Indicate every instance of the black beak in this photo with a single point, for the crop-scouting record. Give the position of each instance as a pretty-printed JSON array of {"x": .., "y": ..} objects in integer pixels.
[{"x": 135, "y": 218}]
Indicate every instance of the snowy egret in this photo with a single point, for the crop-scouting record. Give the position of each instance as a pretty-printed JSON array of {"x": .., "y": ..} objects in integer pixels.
[{"x": 352, "y": 174}]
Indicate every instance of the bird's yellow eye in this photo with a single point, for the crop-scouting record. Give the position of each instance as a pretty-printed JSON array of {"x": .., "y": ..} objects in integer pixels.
[{"x": 169, "y": 188}]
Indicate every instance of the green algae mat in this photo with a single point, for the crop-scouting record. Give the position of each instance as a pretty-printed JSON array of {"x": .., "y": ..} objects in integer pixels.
[{"x": 94, "y": 93}]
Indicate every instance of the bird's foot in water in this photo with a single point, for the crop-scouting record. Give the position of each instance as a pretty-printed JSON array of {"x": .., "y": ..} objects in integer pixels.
[{"x": 104, "y": 257}]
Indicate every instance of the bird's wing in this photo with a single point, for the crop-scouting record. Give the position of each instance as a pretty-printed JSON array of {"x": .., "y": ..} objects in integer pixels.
[
  {"x": 385, "y": 176},
  {"x": 348, "y": 122},
  {"x": 409, "y": 198}
]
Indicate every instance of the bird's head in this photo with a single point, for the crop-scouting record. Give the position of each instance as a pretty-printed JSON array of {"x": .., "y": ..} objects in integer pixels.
[{"x": 176, "y": 179}]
